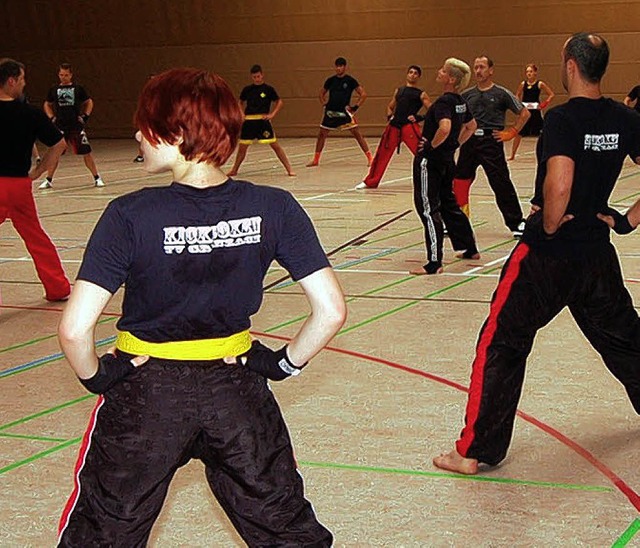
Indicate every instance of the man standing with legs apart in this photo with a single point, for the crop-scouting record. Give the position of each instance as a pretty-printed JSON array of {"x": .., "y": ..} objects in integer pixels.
[
  {"x": 565, "y": 258},
  {"x": 489, "y": 103},
  {"x": 185, "y": 379},
  {"x": 403, "y": 127},
  {"x": 21, "y": 125},
  {"x": 339, "y": 114},
  {"x": 69, "y": 106},
  {"x": 447, "y": 124},
  {"x": 256, "y": 101}
]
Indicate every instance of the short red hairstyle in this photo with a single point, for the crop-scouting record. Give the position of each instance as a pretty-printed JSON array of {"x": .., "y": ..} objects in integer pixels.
[{"x": 194, "y": 106}]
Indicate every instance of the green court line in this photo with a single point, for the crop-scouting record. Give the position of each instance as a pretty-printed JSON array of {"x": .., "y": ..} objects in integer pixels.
[
  {"x": 32, "y": 438},
  {"x": 626, "y": 537},
  {"x": 46, "y": 412},
  {"x": 445, "y": 475},
  {"x": 45, "y": 338},
  {"x": 39, "y": 455}
]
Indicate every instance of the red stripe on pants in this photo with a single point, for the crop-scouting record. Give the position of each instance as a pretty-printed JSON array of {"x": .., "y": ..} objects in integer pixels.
[
  {"x": 84, "y": 449},
  {"x": 510, "y": 275}
]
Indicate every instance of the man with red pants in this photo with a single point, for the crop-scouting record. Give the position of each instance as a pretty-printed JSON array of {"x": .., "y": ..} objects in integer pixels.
[
  {"x": 565, "y": 258},
  {"x": 402, "y": 113},
  {"x": 21, "y": 125},
  {"x": 489, "y": 103}
]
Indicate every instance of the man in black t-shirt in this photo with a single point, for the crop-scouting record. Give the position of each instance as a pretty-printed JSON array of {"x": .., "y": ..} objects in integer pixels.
[
  {"x": 447, "y": 124},
  {"x": 565, "y": 258},
  {"x": 256, "y": 101},
  {"x": 339, "y": 113},
  {"x": 632, "y": 99},
  {"x": 21, "y": 124},
  {"x": 69, "y": 106}
]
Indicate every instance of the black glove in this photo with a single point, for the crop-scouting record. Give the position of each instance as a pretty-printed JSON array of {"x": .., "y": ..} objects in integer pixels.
[
  {"x": 111, "y": 370},
  {"x": 273, "y": 364},
  {"x": 354, "y": 108},
  {"x": 621, "y": 222}
]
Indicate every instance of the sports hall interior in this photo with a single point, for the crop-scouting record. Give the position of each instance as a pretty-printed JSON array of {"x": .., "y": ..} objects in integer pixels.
[{"x": 389, "y": 392}]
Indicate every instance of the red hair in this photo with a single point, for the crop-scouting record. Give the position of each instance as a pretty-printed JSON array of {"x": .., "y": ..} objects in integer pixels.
[{"x": 193, "y": 107}]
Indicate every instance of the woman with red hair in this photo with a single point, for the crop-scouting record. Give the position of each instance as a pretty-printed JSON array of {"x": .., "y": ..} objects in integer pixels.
[{"x": 185, "y": 380}]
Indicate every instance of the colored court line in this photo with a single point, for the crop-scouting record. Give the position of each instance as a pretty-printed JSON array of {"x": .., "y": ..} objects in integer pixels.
[
  {"x": 424, "y": 473},
  {"x": 39, "y": 455},
  {"x": 30, "y": 438},
  {"x": 46, "y": 412},
  {"x": 626, "y": 537}
]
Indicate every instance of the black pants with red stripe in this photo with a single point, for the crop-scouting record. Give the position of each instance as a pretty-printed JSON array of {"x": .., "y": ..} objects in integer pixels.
[
  {"x": 533, "y": 289},
  {"x": 435, "y": 204},
  {"x": 485, "y": 151},
  {"x": 159, "y": 417}
]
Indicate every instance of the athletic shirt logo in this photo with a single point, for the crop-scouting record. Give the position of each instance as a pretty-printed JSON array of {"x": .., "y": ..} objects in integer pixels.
[
  {"x": 204, "y": 239},
  {"x": 461, "y": 109},
  {"x": 601, "y": 143},
  {"x": 263, "y": 94}
]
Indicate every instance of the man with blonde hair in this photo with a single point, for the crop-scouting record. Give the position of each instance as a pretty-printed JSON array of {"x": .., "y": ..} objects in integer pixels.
[{"x": 448, "y": 123}]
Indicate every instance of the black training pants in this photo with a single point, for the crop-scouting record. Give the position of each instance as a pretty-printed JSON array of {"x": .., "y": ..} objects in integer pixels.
[
  {"x": 159, "y": 417},
  {"x": 533, "y": 289}
]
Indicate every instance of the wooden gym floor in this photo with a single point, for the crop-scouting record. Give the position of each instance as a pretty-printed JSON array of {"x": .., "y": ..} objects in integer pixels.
[{"x": 372, "y": 410}]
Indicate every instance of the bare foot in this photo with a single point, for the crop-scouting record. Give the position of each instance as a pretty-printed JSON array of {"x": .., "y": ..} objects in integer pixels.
[
  {"x": 511, "y": 158},
  {"x": 422, "y": 271},
  {"x": 470, "y": 256},
  {"x": 455, "y": 462},
  {"x": 232, "y": 173},
  {"x": 312, "y": 163},
  {"x": 291, "y": 174}
]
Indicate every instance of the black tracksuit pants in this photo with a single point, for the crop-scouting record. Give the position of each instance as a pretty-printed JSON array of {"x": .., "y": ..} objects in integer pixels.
[
  {"x": 533, "y": 289},
  {"x": 485, "y": 151},
  {"x": 435, "y": 204},
  {"x": 166, "y": 412}
]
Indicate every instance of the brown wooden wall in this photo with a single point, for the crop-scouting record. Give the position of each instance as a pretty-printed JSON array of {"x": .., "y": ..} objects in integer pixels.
[{"x": 115, "y": 45}]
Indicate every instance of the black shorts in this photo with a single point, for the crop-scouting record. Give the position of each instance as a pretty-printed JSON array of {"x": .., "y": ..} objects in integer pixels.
[
  {"x": 258, "y": 130},
  {"x": 533, "y": 127},
  {"x": 77, "y": 141},
  {"x": 338, "y": 119}
]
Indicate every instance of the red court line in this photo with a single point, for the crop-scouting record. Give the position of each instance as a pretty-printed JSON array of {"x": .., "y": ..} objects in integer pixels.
[{"x": 617, "y": 481}]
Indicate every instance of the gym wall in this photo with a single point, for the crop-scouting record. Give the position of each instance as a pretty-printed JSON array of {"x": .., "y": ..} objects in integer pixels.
[{"x": 114, "y": 46}]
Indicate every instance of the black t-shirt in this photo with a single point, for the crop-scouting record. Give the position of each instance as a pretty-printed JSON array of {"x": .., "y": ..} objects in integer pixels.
[
  {"x": 597, "y": 134},
  {"x": 408, "y": 103},
  {"x": 453, "y": 107},
  {"x": 634, "y": 95},
  {"x": 193, "y": 260},
  {"x": 21, "y": 125},
  {"x": 258, "y": 98},
  {"x": 340, "y": 90},
  {"x": 67, "y": 102}
]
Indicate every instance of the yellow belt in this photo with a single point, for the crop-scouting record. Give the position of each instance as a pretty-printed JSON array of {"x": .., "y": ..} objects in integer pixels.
[
  {"x": 202, "y": 349},
  {"x": 253, "y": 116}
]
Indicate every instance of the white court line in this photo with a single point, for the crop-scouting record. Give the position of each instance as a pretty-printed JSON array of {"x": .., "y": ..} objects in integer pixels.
[{"x": 491, "y": 263}]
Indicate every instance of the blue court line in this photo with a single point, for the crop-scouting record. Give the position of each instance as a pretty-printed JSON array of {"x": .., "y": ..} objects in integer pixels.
[{"x": 47, "y": 359}]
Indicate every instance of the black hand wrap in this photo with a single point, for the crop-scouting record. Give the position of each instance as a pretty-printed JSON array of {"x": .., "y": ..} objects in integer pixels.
[
  {"x": 621, "y": 222},
  {"x": 111, "y": 370},
  {"x": 354, "y": 108},
  {"x": 273, "y": 364},
  {"x": 85, "y": 117},
  {"x": 419, "y": 117}
]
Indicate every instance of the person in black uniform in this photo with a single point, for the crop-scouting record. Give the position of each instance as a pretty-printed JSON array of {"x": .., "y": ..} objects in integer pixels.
[
  {"x": 339, "y": 113},
  {"x": 447, "y": 124},
  {"x": 403, "y": 126},
  {"x": 69, "y": 106},
  {"x": 565, "y": 258},
  {"x": 529, "y": 92},
  {"x": 21, "y": 125},
  {"x": 489, "y": 103},
  {"x": 256, "y": 101},
  {"x": 185, "y": 380}
]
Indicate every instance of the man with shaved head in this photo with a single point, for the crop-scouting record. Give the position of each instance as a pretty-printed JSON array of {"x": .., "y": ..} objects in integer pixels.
[{"x": 565, "y": 258}]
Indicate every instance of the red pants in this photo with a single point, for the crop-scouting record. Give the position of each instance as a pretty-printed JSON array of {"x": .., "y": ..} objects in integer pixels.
[
  {"x": 409, "y": 134},
  {"x": 17, "y": 204}
]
